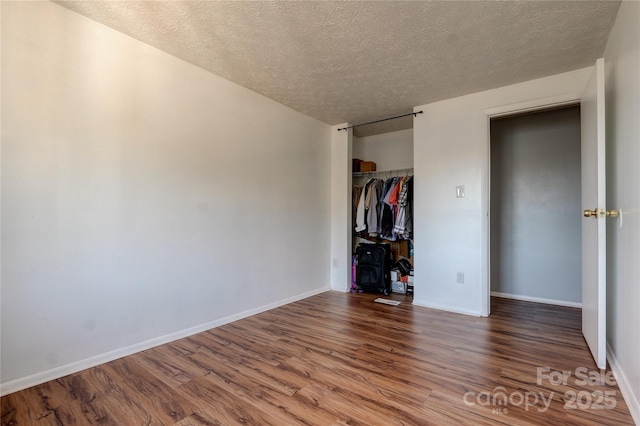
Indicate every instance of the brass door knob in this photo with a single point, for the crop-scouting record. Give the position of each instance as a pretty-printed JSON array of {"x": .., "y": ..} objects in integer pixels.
[
  {"x": 591, "y": 213},
  {"x": 596, "y": 213}
]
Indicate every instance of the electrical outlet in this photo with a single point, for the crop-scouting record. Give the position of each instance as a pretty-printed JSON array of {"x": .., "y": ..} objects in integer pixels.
[
  {"x": 460, "y": 191},
  {"x": 460, "y": 278}
]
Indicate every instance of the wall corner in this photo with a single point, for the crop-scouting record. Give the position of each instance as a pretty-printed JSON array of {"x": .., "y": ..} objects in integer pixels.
[{"x": 341, "y": 241}]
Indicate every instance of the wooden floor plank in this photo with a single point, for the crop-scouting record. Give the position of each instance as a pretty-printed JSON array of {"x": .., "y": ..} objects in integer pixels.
[
  {"x": 163, "y": 404},
  {"x": 341, "y": 359}
]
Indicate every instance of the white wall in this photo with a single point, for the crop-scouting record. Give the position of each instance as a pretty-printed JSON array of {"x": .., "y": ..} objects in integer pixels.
[
  {"x": 451, "y": 147},
  {"x": 142, "y": 198},
  {"x": 341, "y": 205},
  {"x": 390, "y": 151},
  {"x": 536, "y": 228},
  {"x": 622, "y": 82}
]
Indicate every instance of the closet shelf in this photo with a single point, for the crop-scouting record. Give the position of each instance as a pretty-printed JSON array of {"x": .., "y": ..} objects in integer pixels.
[{"x": 389, "y": 173}]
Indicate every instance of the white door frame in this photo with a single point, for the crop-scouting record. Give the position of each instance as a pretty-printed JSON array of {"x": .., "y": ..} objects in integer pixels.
[{"x": 566, "y": 99}]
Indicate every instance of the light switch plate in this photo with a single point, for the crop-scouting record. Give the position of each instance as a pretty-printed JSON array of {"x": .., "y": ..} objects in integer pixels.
[{"x": 460, "y": 191}]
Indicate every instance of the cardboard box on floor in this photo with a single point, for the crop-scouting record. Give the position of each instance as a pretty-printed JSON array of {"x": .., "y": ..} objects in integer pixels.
[{"x": 399, "y": 249}]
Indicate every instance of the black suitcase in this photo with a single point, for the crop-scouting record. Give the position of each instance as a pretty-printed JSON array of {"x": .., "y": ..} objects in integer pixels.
[{"x": 373, "y": 270}]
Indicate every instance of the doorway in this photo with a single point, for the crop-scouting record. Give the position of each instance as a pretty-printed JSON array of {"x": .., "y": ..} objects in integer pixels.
[{"x": 535, "y": 226}]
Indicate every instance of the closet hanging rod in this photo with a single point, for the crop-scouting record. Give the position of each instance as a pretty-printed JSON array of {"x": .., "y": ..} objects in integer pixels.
[
  {"x": 381, "y": 120},
  {"x": 408, "y": 170}
]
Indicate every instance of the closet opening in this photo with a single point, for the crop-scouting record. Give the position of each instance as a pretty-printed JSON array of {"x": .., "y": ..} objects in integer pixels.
[
  {"x": 382, "y": 198},
  {"x": 535, "y": 204}
]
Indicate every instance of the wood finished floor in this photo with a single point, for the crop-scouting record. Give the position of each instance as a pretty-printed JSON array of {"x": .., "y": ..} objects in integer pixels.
[{"x": 340, "y": 359}]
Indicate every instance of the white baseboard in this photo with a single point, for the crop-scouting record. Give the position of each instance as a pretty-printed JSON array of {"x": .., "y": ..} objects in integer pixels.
[
  {"x": 537, "y": 299},
  {"x": 453, "y": 309},
  {"x": 74, "y": 367},
  {"x": 623, "y": 383}
]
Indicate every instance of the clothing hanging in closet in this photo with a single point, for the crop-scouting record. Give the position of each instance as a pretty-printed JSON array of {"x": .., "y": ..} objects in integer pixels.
[{"x": 383, "y": 208}]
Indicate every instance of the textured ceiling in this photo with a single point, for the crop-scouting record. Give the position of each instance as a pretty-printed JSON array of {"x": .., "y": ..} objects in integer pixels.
[{"x": 361, "y": 61}]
